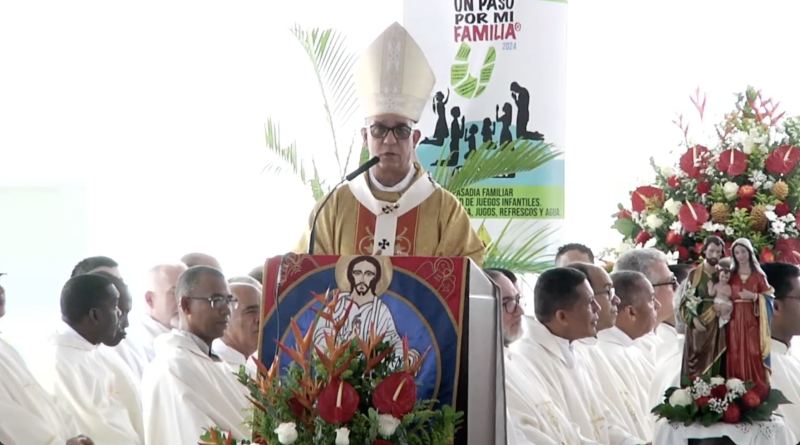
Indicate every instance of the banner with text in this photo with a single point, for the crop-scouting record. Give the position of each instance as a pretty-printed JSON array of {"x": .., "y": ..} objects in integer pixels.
[{"x": 500, "y": 70}]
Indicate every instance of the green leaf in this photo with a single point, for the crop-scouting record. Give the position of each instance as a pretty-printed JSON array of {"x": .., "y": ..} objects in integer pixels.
[
  {"x": 776, "y": 396},
  {"x": 520, "y": 257},
  {"x": 514, "y": 157},
  {"x": 627, "y": 227}
]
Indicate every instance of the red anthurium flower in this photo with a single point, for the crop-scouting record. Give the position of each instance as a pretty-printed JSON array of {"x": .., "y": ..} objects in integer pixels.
[
  {"x": 703, "y": 188},
  {"x": 694, "y": 161},
  {"x": 744, "y": 203},
  {"x": 642, "y": 238},
  {"x": 783, "y": 160},
  {"x": 788, "y": 250},
  {"x": 698, "y": 248},
  {"x": 683, "y": 253},
  {"x": 338, "y": 402},
  {"x": 767, "y": 256},
  {"x": 782, "y": 209},
  {"x": 624, "y": 214},
  {"x": 673, "y": 239},
  {"x": 692, "y": 216},
  {"x": 395, "y": 395},
  {"x": 733, "y": 162},
  {"x": 644, "y": 195}
]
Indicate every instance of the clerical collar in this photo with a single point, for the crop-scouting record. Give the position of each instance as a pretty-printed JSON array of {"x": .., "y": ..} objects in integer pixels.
[
  {"x": 399, "y": 187},
  {"x": 68, "y": 331},
  {"x": 566, "y": 350}
]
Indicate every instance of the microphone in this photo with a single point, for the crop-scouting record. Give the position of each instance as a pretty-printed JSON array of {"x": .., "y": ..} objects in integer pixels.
[{"x": 312, "y": 238}]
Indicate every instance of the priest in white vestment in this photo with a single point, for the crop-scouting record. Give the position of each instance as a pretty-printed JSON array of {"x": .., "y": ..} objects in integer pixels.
[
  {"x": 155, "y": 317},
  {"x": 531, "y": 414},
  {"x": 623, "y": 398},
  {"x": 187, "y": 389},
  {"x": 99, "y": 394},
  {"x": 566, "y": 311},
  {"x": 28, "y": 414},
  {"x": 785, "y": 279},
  {"x": 654, "y": 265},
  {"x": 240, "y": 341}
]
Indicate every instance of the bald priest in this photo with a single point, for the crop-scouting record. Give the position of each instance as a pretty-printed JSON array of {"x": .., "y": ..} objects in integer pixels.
[{"x": 395, "y": 208}]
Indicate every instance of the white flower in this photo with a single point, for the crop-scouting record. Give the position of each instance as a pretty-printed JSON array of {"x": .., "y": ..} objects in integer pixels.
[
  {"x": 653, "y": 221},
  {"x": 747, "y": 145},
  {"x": 623, "y": 247},
  {"x": 700, "y": 388},
  {"x": 708, "y": 226},
  {"x": 650, "y": 243},
  {"x": 673, "y": 206},
  {"x": 287, "y": 433},
  {"x": 342, "y": 436},
  {"x": 770, "y": 214},
  {"x": 729, "y": 231},
  {"x": 717, "y": 405},
  {"x": 730, "y": 189},
  {"x": 778, "y": 227},
  {"x": 672, "y": 257},
  {"x": 768, "y": 185},
  {"x": 676, "y": 227},
  {"x": 739, "y": 137},
  {"x": 387, "y": 424},
  {"x": 716, "y": 381},
  {"x": 667, "y": 171},
  {"x": 735, "y": 386},
  {"x": 680, "y": 397}
]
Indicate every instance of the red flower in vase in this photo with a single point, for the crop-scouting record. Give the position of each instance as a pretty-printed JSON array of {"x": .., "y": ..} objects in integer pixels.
[
  {"x": 750, "y": 399},
  {"x": 703, "y": 188},
  {"x": 761, "y": 390},
  {"x": 381, "y": 442},
  {"x": 395, "y": 395},
  {"x": 719, "y": 392},
  {"x": 338, "y": 402},
  {"x": 732, "y": 414},
  {"x": 782, "y": 209},
  {"x": 702, "y": 401}
]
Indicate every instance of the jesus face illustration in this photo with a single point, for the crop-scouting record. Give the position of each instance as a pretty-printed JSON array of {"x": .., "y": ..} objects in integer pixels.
[{"x": 363, "y": 277}]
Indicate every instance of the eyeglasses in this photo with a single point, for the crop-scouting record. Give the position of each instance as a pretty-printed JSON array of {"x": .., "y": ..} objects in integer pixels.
[
  {"x": 673, "y": 282},
  {"x": 219, "y": 301},
  {"x": 610, "y": 292},
  {"x": 511, "y": 306},
  {"x": 380, "y": 131}
]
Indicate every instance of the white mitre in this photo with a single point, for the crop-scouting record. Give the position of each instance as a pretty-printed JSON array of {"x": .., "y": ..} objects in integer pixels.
[{"x": 393, "y": 76}]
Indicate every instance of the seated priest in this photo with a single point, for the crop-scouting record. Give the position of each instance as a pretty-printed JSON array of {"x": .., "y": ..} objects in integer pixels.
[
  {"x": 186, "y": 388},
  {"x": 622, "y": 396},
  {"x": 395, "y": 208},
  {"x": 28, "y": 414},
  {"x": 668, "y": 368},
  {"x": 240, "y": 340},
  {"x": 531, "y": 415},
  {"x": 785, "y": 279},
  {"x": 160, "y": 311},
  {"x": 566, "y": 311},
  {"x": 653, "y": 264},
  {"x": 83, "y": 381}
]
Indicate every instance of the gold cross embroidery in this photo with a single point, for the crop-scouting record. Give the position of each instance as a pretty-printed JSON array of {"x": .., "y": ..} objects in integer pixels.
[
  {"x": 625, "y": 399},
  {"x": 547, "y": 406},
  {"x": 596, "y": 421}
]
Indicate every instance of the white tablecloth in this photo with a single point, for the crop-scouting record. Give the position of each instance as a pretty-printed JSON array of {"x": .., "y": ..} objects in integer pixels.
[{"x": 774, "y": 432}]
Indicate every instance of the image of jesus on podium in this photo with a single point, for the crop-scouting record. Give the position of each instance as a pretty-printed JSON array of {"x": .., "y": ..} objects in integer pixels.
[{"x": 362, "y": 280}]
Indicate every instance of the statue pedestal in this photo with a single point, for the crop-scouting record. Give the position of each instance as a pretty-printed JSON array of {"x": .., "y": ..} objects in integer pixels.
[{"x": 774, "y": 432}]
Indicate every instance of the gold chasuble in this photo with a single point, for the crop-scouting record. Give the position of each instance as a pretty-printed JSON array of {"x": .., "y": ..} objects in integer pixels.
[{"x": 422, "y": 220}]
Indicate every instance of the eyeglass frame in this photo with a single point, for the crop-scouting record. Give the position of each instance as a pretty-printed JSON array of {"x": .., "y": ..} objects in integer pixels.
[
  {"x": 216, "y": 299},
  {"x": 516, "y": 300},
  {"x": 387, "y": 129},
  {"x": 672, "y": 282},
  {"x": 611, "y": 293}
]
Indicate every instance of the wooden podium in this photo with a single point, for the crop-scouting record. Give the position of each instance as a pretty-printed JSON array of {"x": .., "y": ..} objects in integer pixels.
[{"x": 447, "y": 304}]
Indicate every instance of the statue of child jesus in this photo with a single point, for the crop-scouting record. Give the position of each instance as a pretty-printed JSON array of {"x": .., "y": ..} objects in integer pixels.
[{"x": 719, "y": 288}]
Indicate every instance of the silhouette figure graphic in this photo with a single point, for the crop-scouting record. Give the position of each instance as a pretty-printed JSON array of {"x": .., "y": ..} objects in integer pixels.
[
  {"x": 522, "y": 98},
  {"x": 487, "y": 133},
  {"x": 440, "y": 132},
  {"x": 471, "y": 140},
  {"x": 456, "y": 133},
  {"x": 505, "y": 119}
]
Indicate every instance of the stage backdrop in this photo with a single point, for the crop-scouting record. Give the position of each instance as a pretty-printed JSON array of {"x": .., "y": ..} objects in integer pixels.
[
  {"x": 419, "y": 297},
  {"x": 500, "y": 70}
]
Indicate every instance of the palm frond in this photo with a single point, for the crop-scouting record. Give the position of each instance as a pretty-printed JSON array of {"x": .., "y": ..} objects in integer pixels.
[
  {"x": 485, "y": 163},
  {"x": 333, "y": 63},
  {"x": 287, "y": 155},
  {"x": 527, "y": 257}
]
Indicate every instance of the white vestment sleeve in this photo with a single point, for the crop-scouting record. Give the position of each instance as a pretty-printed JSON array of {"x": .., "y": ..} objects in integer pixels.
[{"x": 21, "y": 427}]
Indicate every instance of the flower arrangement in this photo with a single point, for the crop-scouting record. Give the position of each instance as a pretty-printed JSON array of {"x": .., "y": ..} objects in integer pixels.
[
  {"x": 744, "y": 184},
  {"x": 708, "y": 400},
  {"x": 349, "y": 391}
]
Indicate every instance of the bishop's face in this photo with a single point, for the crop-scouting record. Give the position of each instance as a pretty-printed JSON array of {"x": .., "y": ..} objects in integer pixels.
[
  {"x": 363, "y": 278},
  {"x": 393, "y": 138}
]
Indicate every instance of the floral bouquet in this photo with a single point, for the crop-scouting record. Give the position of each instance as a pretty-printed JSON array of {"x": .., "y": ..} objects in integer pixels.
[
  {"x": 350, "y": 391},
  {"x": 709, "y": 400},
  {"x": 744, "y": 184}
]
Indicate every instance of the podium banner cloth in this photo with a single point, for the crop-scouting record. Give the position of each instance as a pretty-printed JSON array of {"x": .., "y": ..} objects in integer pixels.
[{"x": 423, "y": 298}]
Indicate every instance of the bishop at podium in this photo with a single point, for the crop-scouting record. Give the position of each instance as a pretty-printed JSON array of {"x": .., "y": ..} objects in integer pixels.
[{"x": 395, "y": 208}]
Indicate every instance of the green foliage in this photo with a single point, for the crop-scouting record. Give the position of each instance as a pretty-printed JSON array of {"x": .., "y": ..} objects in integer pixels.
[{"x": 526, "y": 256}]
